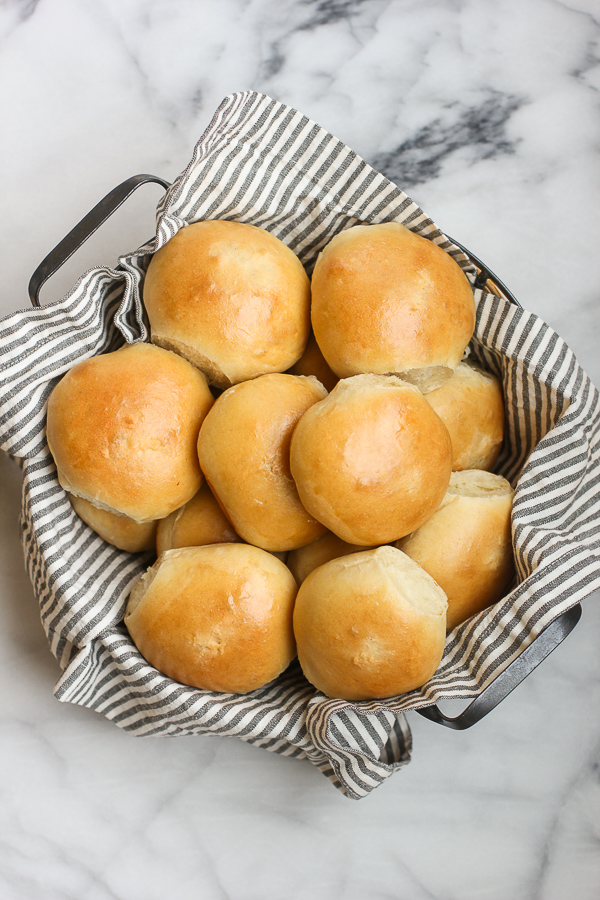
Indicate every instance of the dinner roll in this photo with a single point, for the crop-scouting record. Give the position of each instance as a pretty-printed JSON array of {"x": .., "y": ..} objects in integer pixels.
[
  {"x": 386, "y": 300},
  {"x": 301, "y": 562},
  {"x": 244, "y": 447},
  {"x": 118, "y": 530},
  {"x": 312, "y": 362},
  {"x": 231, "y": 298},
  {"x": 371, "y": 461},
  {"x": 369, "y": 625},
  {"x": 466, "y": 545},
  {"x": 217, "y": 617},
  {"x": 471, "y": 406},
  {"x": 200, "y": 521},
  {"x": 122, "y": 428}
]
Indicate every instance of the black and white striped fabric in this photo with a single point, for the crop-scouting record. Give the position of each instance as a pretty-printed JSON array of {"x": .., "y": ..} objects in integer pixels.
[{"x": 262, "y": 162}]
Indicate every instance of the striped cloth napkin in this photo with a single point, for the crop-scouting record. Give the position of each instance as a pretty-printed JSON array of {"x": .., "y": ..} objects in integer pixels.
[{"x": 262, "y": 162}]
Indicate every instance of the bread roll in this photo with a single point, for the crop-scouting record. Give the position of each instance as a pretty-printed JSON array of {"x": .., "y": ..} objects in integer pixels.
[
  {"x": 371, "y": 461},
  {"x": 243, "y": 449},
  {"x": 471, "y": 406},
  {"x": 386, "y": 300},
  {"x": 301, "y": 562},
  {"x": 122, "y": 428},
  {"x": 217, "y": 617},
  {"x": 231, "y": 298},
  {"x": 118, "y": 530},
  {"x": 312, "y": 362},
  {"x": 369, "y": 625},
  {"x": 200, "y": 521},
  {"x": 466, "y": 545}
]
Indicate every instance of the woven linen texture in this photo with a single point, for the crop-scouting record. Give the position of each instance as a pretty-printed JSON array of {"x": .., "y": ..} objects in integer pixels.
[{"x": 267, "y": 164}]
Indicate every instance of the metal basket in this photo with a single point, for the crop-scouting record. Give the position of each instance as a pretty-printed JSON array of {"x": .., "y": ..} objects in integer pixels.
[{"x": 529, "y": 658}]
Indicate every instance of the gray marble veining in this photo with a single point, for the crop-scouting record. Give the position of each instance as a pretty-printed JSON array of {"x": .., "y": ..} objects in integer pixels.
[{"x": 487, "y": 113}]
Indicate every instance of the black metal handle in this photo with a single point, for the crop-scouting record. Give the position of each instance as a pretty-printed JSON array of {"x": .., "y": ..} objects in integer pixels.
[
  {"x": 512, "y": 676},
  {"x": 85, "y": 229},
  {"x": 486, "y": 274}
]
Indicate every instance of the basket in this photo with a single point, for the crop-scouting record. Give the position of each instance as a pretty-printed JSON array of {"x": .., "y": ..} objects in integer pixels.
[{"x": 262, "y": 162}]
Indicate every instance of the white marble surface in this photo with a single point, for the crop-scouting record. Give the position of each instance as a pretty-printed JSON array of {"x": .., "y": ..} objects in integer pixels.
[{"x": 486, "y": 113}]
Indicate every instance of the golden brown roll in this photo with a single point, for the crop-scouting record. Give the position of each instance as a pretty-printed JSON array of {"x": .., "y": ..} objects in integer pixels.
[
  {"x": 312, "y": 362},
  {"x": 200, "y": 521},
  {"x": 302, "y": 561},
  {"x": 122, "y": 428},
  {"x": 466, "y": 545},
  {"x": 386, "y": 300},
  {"x": 471, "y": 406},
  {"x": 244, "y": 446},
  {"x": 118, "y": 530},
  {"x": 217, "y": 617},
  {"x": 369, "y": 625},
  {"x": 231, "y": 298},
  {"x": 371, "y": 460}
]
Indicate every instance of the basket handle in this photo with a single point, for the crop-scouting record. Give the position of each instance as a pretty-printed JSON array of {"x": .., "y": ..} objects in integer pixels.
[
  {"x": 484, "y": 275},
  {"x": 512, "y": 676},
  {"x": 85, "y": 229}
]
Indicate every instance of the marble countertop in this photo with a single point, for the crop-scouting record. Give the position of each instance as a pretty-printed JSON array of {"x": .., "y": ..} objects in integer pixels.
[{"x": 486, "y": 114}]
